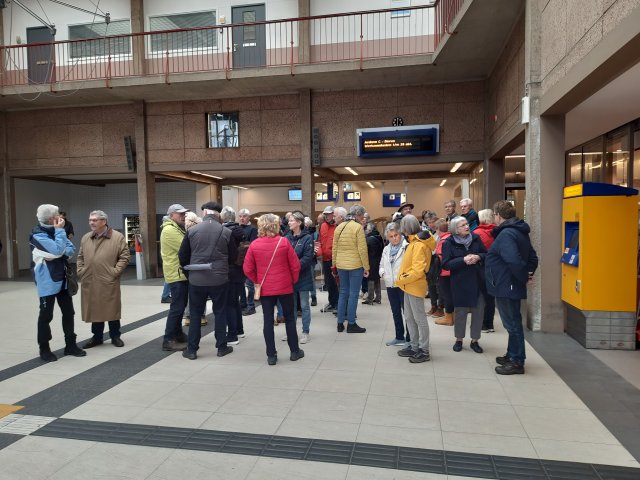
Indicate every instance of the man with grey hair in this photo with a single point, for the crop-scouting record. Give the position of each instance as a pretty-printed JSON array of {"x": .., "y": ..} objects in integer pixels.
[
  {"x": 233, "y": 311},
  {"x": 466, "y": 205},
  {"x": 50, "y": 248},
  {"x": 247, "y": 303},
  {"x": 450, "y": 209},
  {"x": 351, "y": 260},
  {"x": 104, "y": 254},
  {"x": 325, "y": 239}
]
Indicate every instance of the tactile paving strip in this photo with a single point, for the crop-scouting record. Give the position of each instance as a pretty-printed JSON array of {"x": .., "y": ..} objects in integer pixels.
[
  {"x": 23, "y": 424},
  {"x": 351, "y": 453}
]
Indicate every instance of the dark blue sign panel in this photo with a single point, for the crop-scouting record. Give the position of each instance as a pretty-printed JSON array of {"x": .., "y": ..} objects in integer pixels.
[
  {"x": 393, "y": 199},
  {"x": 398, "y": 141}
]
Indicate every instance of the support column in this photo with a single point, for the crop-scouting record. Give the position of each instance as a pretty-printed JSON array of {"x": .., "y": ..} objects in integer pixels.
[
  {"x": 544, "y": 167},
  {"x": 306, "y": 170},
  {"x": 493, "y": 181},
  {"x": 304, "y": 32},
  {"x": 137, "y": 26},
  {"x": 146, "y": 195}
]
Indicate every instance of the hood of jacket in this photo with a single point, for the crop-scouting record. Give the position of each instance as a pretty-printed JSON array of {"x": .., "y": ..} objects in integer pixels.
[
  {"x": 303, "y": 233},
  {"x": 514, "y": 222}
]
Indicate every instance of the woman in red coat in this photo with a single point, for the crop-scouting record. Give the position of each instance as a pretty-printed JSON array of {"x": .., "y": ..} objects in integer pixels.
[
  {"x": 484, "y": 232},
  {"x": 272, "y": 263}
]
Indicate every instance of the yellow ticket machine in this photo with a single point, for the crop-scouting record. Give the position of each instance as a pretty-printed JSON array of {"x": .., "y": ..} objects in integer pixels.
[{"x": 599, "y": 264}]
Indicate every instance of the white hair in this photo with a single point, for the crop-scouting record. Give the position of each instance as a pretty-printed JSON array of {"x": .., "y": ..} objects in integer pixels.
[
  {"x": 340, "y": 212},
  {"x": 466, "y": 201},
  {"x": 244, "y": 211},
  {"x": 100, "y": 214},
  {"x": 46, "y": 212},
  {"x": 228, "y": 214}
]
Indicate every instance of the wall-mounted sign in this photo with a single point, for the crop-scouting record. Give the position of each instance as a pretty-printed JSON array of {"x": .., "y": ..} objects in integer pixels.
[
  {"x": 393, "y": 199},
  {"x": 351, "y": 196},
  {"x": 398, "y": 141}
]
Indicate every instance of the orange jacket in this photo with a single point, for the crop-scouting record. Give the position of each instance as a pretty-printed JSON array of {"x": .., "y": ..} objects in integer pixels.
[{"x": 326, "y": 241}]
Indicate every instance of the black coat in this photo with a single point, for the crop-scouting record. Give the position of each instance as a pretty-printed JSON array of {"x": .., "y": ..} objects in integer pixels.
[
  {"x": 510, "y": 259},
  {"x": 236, "y": 275},
  {"x": 375, "y": 246},
  {"x": 303, "y": 246},
  {"x": 467, "y": 281}
]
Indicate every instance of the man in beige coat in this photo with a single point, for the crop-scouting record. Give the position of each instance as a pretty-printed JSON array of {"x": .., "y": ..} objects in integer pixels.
[{"x": 103, "y": 256}]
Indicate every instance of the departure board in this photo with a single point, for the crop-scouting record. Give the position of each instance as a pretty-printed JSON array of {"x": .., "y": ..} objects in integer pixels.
[{"x": 398, "y": 141}]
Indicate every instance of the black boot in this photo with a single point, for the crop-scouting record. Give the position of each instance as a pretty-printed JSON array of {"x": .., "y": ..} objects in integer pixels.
[
  {"x": 71, "y": 348},
  {"x": 45, "y": 353}
]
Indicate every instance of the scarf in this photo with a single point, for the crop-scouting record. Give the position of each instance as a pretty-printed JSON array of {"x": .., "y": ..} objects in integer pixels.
[
  {"x": 394, "y": 249},
  {"x": 466, "y": 241}
]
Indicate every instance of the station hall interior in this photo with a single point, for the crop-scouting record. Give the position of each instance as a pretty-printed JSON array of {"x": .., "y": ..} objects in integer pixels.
[{"x": 129, "y": 106}]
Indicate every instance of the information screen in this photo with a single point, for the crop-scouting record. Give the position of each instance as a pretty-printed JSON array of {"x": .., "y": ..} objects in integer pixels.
[
  {"x": 295, "y": 195},
  {"x": 398, "y": 141}
]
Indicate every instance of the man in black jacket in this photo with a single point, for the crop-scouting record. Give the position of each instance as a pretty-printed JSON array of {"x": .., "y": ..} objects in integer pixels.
[
  {"x": 204, "y": 254},
  {"x": 235, "y": 327},
  {"x": 247, "y": 303},
  {"x": 509, "y": 265}
]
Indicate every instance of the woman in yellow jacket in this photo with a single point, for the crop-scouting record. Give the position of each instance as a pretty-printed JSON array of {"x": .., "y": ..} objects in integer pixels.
[
  {"x": 351, "y": 258},
  {"x": 412, "y": 279}
]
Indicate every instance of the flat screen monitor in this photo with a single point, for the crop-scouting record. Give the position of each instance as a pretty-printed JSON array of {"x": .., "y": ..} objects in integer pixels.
[
  {"x": 295, "y": 194},
  {"x": 393, "y": 199}
]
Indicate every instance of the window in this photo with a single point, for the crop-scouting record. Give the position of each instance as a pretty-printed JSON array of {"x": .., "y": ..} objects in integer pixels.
[
  {"x": 573, "y": 164},
  {"x": 617, "y": 158},
  {"x": 592, "y": 154},
  {"x": 189, "y": 40},
  {"x": 223, "y": 130},
  {"x": 101, "y": 46}
]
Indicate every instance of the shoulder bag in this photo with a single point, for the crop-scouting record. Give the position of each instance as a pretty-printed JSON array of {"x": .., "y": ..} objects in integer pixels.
[
  {"x": 71, "y": 277},
  {"x": 258, "y": 286}
]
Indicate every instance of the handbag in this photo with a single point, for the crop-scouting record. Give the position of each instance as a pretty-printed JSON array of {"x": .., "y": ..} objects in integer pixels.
[
  {"x": 72, "y": 278},
  {"x": 258, "y": 286}
]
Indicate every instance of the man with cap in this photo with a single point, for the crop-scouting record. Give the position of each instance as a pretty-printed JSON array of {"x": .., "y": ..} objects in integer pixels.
[
  {"x": 406, "y": 208},
  {"x": 204, "y": 255},
  {"x": 170, "y": 240},
  {"x": 326, "y": 251}
]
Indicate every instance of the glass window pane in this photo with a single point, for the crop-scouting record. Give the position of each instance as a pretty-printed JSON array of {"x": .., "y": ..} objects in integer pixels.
[
  {"x": 573, "y": 163},
  {"x": 223, "y": 130},
  {"x": 101, "y": 46},
  {"x": 592, "y": 154},
  {"x": 183, "y": 40},
  {"x": 617, "y": 157}
]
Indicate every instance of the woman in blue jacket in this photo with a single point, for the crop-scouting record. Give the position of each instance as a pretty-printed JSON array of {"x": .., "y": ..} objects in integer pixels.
[
  {"x": 302, "y": 243},
  {"x": 463, "y": 254}
]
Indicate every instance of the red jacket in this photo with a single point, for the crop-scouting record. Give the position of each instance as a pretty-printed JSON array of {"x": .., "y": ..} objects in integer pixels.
[
  {"x": 443, "y": 237},
  {"x": 284, "y": 269},
  {"x": 326, "y": 241},
  {"x": 484, "y": 232}
]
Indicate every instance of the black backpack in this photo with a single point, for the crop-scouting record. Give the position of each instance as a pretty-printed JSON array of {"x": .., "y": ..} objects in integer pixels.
[{"x": 243, "y": 246}]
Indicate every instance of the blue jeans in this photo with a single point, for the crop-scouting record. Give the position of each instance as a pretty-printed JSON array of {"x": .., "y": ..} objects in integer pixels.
[
  {"x": 166, "y": 290},
  {"x": 198, "y": 296},
  {"x": 350, "y": 283},
  {"x": 304, "y": 306},
  {"x": 396, "y": 300},
  {"x": 233, "y": 312},
  {"x": 180, "y": 295},
  {"x": 512, "y": 321}
]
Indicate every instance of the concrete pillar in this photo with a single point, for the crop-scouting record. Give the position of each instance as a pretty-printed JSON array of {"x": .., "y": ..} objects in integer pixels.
[
  {"x": 304, "y": 32},
  {"x": 146, "y": 195},
  {"x": 493, "y": 181},
  {"x": 137, "y": 43},
  {"x": 306, "y": 170}
]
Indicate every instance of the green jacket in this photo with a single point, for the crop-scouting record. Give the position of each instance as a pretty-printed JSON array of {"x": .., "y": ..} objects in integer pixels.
[
  {"x": 350, "y": 247},
  {"x": 170, "y": 241}
]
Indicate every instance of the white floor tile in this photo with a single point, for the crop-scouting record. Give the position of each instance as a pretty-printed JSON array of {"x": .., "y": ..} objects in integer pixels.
[
  {"x": 282, "y": 469},
  {"x": 482, "y": 418},
  {"x": 488, "y": 444},
  {"x": 584, "y": 452},
  {"x": 333, "y": 407},
  {"x": 401, "y": 412},
  {"x": 312, "y": 427},
  {"x": 400, "y": 436}
]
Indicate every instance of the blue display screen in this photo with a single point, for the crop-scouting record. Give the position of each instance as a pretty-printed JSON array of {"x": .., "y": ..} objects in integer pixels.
[{"x": 295, "y": 195}]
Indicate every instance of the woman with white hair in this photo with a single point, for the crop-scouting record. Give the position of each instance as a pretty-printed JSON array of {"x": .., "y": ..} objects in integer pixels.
[
  {"x": 463, "y": 255},
  {"x": 389, "y": 269}
]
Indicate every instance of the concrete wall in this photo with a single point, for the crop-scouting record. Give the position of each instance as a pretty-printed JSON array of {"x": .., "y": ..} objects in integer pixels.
[
  {"x": 572, "y": 28},
  {"x": 506, "y": 88}
]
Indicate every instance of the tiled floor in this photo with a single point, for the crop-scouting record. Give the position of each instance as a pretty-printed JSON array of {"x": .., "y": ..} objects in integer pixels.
[{"x": 348, "y": 387}]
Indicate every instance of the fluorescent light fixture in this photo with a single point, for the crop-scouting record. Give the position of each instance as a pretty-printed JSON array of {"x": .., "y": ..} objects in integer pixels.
[
  {"x": 238, "y": 186},
  {"x": 473, "y": 180},
  {"x": 351, "y": 170},
  {"x": 370, "y": 185},
  {"x": 316, "y": 175},
  {"x": 518, "y": 173},
  {"x": 324, "y": 184},
  {"x": 481, "y": 170},
  {"x": 456, "y": 167},
  {"x": 206, "y": 175},
  {"x": 514, "y": 156},
  {"x": 443, "y": 182}
]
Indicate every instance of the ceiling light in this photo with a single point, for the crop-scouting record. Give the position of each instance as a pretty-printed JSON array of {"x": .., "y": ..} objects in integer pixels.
[
  {"x": 518, "y": 173},
  {"x": 514, "y": 156},
  {"x": 481, "y": 170},
  {"x": 443, "y": 182},
  {"x": 456, "y": 167},
  {"x": 472, "y": 181},
  {"x": 370, "y": 185},
  {"x": 206, "y": 175},
  {"x": 351, "y": 170},
  {"x": 238, "y": 186},
  {"x": 324, "y": 184},
  {"x": 316, "y": 175}
]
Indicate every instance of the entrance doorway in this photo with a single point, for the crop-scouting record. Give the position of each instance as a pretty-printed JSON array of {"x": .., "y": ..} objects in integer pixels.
[
  {"x": 40, "y": 58},
  {"x": 249, "y": 41}
]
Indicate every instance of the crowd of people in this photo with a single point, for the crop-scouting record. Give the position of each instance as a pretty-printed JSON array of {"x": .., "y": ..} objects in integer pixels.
[{"x": 467, "y": 263}]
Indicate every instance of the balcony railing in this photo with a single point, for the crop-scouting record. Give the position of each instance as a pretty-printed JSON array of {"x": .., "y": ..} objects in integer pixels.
[{"x": 356, "y": 36}]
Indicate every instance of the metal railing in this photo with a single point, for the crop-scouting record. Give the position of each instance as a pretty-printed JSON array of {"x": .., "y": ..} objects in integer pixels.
[{"x": 356, "y": 36}]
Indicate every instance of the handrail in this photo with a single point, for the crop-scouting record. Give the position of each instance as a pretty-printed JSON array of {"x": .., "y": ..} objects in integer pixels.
[{"x": 347, "y": 36}]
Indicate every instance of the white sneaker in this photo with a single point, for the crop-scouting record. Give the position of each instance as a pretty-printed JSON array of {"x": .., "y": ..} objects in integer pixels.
[
  {"x": 235, "y": 342},
  {"x": 284, "y": 339},
  {"x": 241, "y": 335},
  {"x": 304, "y": 338}
]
